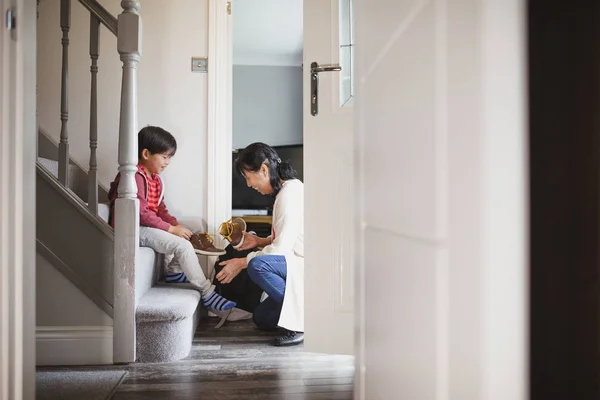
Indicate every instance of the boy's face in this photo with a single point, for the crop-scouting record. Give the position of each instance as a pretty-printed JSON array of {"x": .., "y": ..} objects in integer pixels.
[{"x": 155, "y": 163}]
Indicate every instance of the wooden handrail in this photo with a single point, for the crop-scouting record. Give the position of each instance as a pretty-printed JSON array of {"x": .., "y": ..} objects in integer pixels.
[{"x": 105, "y": 17}]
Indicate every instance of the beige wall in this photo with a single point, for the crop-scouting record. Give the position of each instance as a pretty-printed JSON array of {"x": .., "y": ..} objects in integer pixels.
[{"x": 170, "y": 95}]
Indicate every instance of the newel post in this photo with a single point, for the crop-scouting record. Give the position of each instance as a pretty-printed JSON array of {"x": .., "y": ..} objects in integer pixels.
[{"x": 129, "y": 45}]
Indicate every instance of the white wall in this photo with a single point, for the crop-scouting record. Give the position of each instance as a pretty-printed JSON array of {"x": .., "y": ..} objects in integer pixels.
[
  {"x": 267, "y": 32},
  {"x": 170, "y": 94},
  {"x": 267, "y": 105}
]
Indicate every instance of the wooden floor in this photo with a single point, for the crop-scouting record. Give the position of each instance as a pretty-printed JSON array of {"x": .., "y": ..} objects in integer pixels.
[{"x": 237, "y": 362}]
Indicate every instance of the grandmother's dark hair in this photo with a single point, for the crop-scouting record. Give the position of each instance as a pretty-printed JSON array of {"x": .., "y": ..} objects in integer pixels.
[{"x": 257, "y": 154}]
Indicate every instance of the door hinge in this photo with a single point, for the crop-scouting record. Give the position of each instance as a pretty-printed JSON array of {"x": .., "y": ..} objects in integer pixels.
[
  {"x": 11, "y": 20},
  {"x": 228, "y": 8}
]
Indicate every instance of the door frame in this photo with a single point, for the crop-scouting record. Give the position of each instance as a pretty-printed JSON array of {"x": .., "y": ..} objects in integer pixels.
[
  {"x": 219, "y": 119},
  {"x": 17, "y": 203}
]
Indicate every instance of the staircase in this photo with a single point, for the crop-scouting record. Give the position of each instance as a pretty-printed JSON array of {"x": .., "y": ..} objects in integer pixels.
[{"x": 152, "y": 321}]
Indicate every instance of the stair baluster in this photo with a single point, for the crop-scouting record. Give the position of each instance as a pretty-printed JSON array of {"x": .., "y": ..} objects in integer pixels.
[
  {"x": 127, "y": 205},
  {"x": 93, "y": 170},
  {"x": 63, "y": 147}
]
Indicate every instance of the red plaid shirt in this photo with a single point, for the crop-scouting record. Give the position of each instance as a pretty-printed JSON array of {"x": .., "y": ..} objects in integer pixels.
[{"x": 154, "y": 189}]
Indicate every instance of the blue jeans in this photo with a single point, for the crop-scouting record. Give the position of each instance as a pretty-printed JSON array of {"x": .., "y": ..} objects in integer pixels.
[{"x": 269, "y": 272}]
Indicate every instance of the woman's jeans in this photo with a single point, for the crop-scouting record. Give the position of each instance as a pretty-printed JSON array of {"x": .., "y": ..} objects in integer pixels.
[{"x": 269, "y": 272}]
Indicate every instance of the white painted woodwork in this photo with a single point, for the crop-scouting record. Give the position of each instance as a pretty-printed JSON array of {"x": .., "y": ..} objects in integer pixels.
[
  {"x": 105, "y": 17},
  {"x": 74, "y": 345},
  {"x": 441, "y": 173},
  {"x": 63, "y": 146},
  {"x": 329, "y": 192},
  {"x": 219, "y": 140},
  {"x": 129, "y": 45},
  {"x": 17, "y": 201},
  {"x": 93, "y": 169}
]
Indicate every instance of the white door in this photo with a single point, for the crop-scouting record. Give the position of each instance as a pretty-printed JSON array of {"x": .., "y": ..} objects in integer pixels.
[
  {"x": 329, "y": 184},
  {"x": 441, "y": 134}
]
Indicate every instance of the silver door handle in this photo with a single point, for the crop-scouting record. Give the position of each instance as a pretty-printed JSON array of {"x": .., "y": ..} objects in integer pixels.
[{"x": 315, "y": 68}]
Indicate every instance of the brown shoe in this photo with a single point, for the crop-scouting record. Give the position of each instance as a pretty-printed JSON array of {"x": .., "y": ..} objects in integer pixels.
[
  {"x": 233, "y": 230},
  {"x": 203, "y": 244}
]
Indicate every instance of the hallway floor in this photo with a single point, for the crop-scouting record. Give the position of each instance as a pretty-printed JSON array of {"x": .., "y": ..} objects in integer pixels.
[{"x": 237, "y": 362}]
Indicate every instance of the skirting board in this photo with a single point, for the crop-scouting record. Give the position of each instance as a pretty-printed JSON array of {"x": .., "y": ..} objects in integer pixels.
[{"x": 74, "y": 345}]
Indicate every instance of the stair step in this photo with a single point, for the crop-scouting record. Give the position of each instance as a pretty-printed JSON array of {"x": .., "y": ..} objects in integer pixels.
[
  {"x": 166, "y": 319},
  {"x": 50, "y": 165},
  {"x": 146, "y": 274},
  {"x": 104, "y": 211}
]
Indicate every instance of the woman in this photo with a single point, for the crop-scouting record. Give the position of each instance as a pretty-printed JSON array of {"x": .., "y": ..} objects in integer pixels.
[{"x": 279, "y": 267}]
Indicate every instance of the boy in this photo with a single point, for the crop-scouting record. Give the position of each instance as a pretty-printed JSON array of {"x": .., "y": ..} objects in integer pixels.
[{"x": 160, "y": 230}]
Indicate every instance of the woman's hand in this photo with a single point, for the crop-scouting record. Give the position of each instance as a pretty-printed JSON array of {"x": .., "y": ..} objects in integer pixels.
[
  {"x": 250, "y": 241},
  {"x": 231, "y": 269}
]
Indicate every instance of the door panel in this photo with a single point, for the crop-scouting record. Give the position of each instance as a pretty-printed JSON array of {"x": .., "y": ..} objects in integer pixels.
[
  {"x": 401, "y": 162},
  {"x": 329, "y": 192},
  {"x": 402, "y": 352},
  {"x": 441, "y": 139}
]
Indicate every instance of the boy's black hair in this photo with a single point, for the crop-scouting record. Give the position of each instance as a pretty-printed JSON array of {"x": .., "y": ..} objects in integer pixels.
[{"x": 156, "y": 140}]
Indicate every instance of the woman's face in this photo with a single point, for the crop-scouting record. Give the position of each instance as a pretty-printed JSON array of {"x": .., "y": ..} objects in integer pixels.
[{"x": 259, "y": 180}]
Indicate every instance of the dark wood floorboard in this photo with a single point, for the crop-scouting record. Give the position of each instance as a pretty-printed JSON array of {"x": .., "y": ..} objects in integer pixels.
[{"x": 237, "y": 362}]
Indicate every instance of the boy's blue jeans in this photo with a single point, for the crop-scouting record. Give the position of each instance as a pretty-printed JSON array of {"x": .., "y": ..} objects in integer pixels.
[{"x": 269, "y": 272}]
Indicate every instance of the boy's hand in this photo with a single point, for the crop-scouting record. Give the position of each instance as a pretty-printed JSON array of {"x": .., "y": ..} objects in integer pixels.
[{"x": 180, "y": 231}]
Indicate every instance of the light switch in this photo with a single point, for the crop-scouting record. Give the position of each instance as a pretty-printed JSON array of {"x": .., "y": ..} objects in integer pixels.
[{"x": 199, "y": 64}]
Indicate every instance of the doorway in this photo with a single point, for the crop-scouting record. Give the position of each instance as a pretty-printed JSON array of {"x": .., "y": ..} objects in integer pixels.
[
  {"x": 328, "y": 135},
  {"x": 266, "y": 95}
]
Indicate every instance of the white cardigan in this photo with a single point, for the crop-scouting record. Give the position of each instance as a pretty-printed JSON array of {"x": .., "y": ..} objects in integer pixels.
[{"x": 288, "y": 240}]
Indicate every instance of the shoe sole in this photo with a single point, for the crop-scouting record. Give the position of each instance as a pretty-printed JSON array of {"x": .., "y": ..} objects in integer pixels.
[
  {"x": 237, "y": 246},
  {"x": 276, "y": 344},
  {"x": 222, "y": 314},
  {"x": 208, "y": 253}
]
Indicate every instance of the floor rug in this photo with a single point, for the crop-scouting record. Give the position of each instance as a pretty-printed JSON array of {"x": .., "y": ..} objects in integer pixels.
[{"x": 77, "y": 385}]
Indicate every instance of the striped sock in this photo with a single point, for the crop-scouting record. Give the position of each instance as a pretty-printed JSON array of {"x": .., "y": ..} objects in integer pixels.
[
  {"x": 217, "y": 302},
  {"x": 176, "y": 277}
]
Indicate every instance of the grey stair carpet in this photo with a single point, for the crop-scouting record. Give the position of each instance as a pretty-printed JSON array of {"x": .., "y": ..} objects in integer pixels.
[
  {"x": 77, "y": 385},
  {"x": 50, "y": 165},
  {"x": 104, "y": 211},
  {"x": 77, "y": 181},
  {"x": 146, "y": 275},
  {"x": 167, "y": 317}
]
